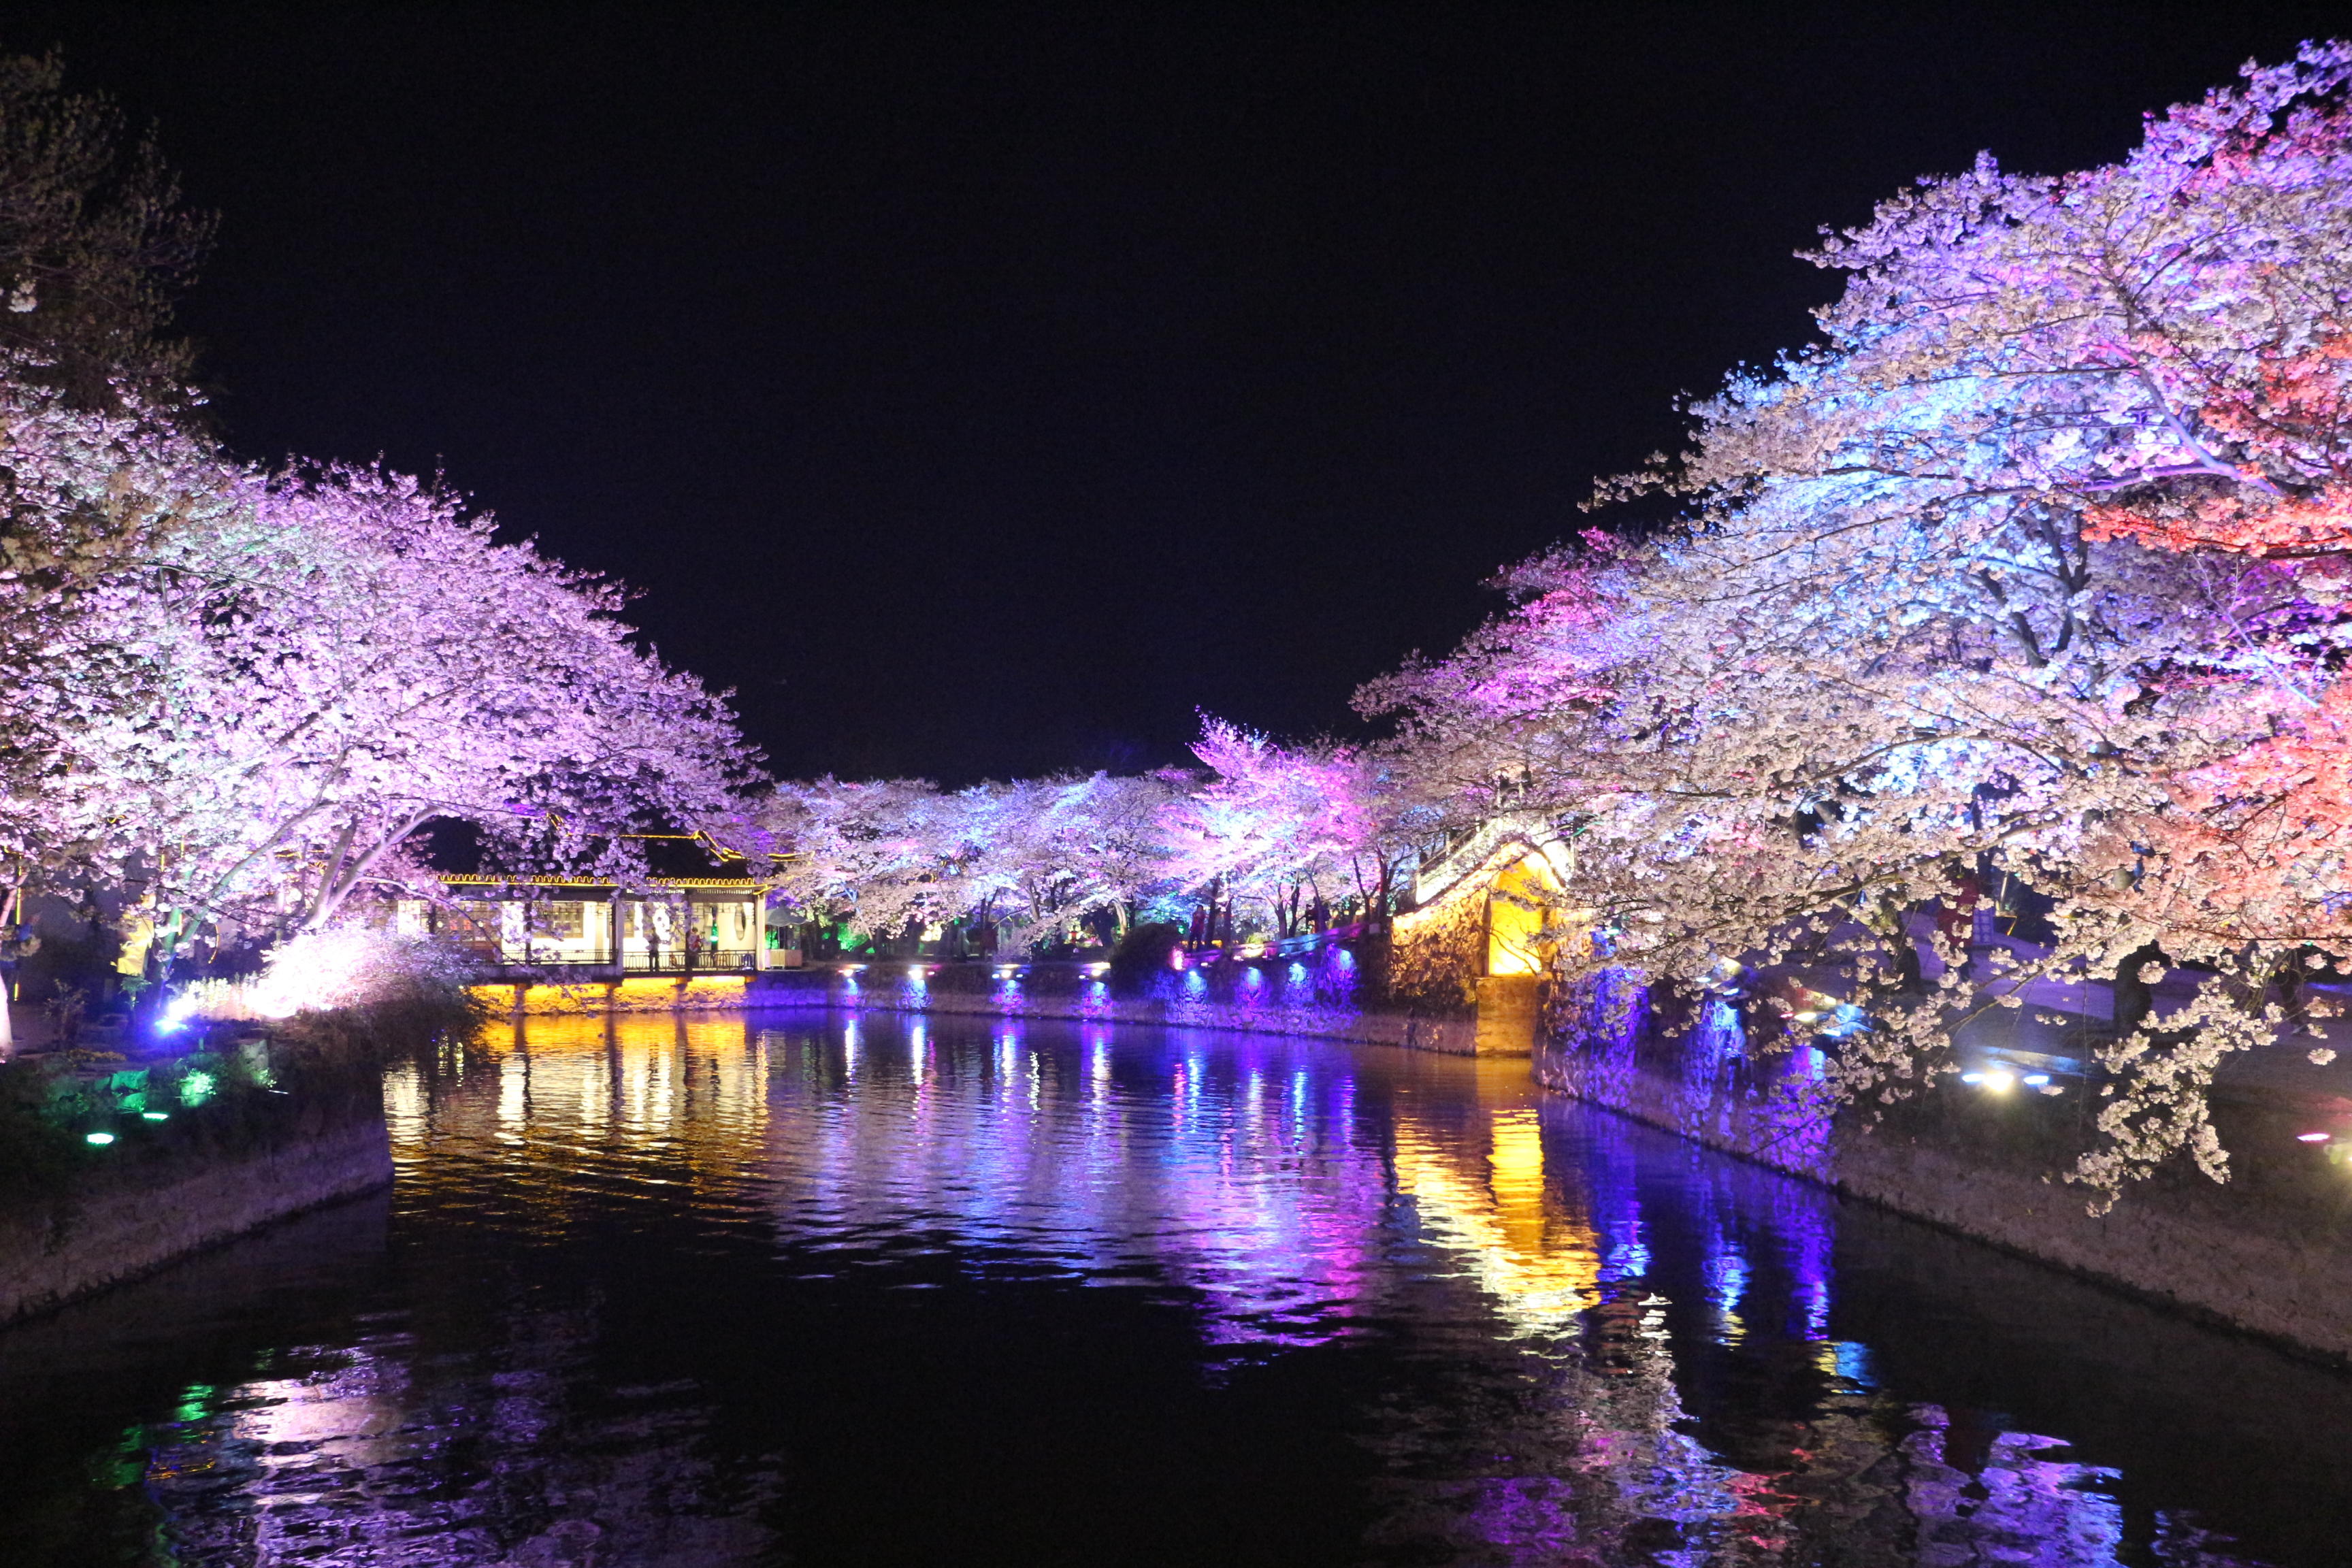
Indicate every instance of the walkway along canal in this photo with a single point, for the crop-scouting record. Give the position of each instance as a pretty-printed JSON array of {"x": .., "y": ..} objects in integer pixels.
[{"x": 896, "y": 1288}]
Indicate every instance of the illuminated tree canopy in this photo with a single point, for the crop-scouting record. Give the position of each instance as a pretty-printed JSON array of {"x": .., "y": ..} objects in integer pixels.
[
  {"x": 2034, "y": 564},
  {"x": 2034, "y": 570},
  {"x": 243, "y": 693}
]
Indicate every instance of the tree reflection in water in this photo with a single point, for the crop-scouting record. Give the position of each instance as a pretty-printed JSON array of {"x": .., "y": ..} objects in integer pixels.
[{"x": 728, "y": 1289}]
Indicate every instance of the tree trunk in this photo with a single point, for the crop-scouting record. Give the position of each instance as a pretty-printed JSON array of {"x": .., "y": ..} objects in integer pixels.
[
  {"x": 2134, "y": 998},
  {"x": 8, "y": 914}
]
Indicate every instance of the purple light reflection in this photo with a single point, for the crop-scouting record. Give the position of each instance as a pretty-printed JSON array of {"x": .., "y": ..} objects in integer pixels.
[{"x": 1287, "y": 1194}]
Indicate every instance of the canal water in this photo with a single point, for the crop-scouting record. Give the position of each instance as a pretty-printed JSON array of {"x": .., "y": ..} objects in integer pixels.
[{"x": 809, "y": 1289}]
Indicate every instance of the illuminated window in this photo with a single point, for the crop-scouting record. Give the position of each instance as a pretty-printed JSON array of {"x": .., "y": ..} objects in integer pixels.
[{"x": 473, "y": 923}]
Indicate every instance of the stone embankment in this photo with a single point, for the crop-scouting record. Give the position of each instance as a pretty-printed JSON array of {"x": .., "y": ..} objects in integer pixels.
[
  {"x": 114, "y": 1162},
  {"x": 2269, "y": 1252},
  {"x": 108, "y": 1231}
]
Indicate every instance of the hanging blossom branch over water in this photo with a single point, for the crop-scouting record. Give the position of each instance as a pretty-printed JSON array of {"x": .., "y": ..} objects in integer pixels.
[{"x": 2036, "y": 563}]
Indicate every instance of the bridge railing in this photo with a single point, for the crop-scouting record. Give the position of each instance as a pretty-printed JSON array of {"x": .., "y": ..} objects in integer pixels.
[{"x": 1464, "y": 850}]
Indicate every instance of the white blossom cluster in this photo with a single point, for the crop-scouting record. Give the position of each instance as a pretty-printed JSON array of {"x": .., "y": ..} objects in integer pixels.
[
  {"x": 2031, "y": 575},
  {"x": 236, "y": 695}
]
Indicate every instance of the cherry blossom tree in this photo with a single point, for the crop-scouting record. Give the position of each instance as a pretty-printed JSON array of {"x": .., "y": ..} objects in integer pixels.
[
  {"x": 2024, "y": 371},
  {"x": 239, "y": 695},
  {"x": 1498, "y": 723},
  {"x": 97, "y": 502},
  {"x": 1032, "y": 855},
  {"x": 245, "y": 693},
  {"x": 875, "y": 853},
  {"x": 371, "y": 659},
  {"x": 1276, "y": 823},
  {"x": 2026, "y": 565},
  {"x": 1056, "y": 850}
]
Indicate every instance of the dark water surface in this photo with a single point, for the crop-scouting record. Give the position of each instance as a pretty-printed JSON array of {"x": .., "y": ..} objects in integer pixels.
[{"x": 887, "y": 1291}]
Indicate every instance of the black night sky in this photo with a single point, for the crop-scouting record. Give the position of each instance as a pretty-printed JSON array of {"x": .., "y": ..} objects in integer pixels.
[{"x": 980, "y": 392}]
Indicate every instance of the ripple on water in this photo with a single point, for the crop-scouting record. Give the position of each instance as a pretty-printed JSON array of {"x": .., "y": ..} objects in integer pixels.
[{"x": 814, "y": 1289}]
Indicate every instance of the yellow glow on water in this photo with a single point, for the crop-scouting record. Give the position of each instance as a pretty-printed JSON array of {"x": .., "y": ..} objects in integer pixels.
[
  {"x": 1517, "y": 1154},
  {"x": 1541, "y": 1266},
  {"x": 404, "y": 1102},
  {"x": 664, "y": 1098},
  {"x": 595, "y": 1106},
  {"x": 641, "y": 992},
  {"x": 514, "y": 1092},
  {"x": 1516, "y": 1159}
]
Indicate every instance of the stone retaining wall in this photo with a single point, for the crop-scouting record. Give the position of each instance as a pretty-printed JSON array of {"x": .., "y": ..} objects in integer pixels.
[
  {"x": 2270, "y": 1252},
  {"x": 120, "y": 1230}
]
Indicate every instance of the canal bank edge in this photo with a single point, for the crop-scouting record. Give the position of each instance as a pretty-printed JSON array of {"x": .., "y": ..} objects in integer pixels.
[
  {"x": 2268, "y": 1253},
  {"x": 109, "y": 1235}
]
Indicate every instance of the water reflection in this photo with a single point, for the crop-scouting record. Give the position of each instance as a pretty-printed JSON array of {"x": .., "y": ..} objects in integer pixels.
[{"x": 715, "y": 1291}]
